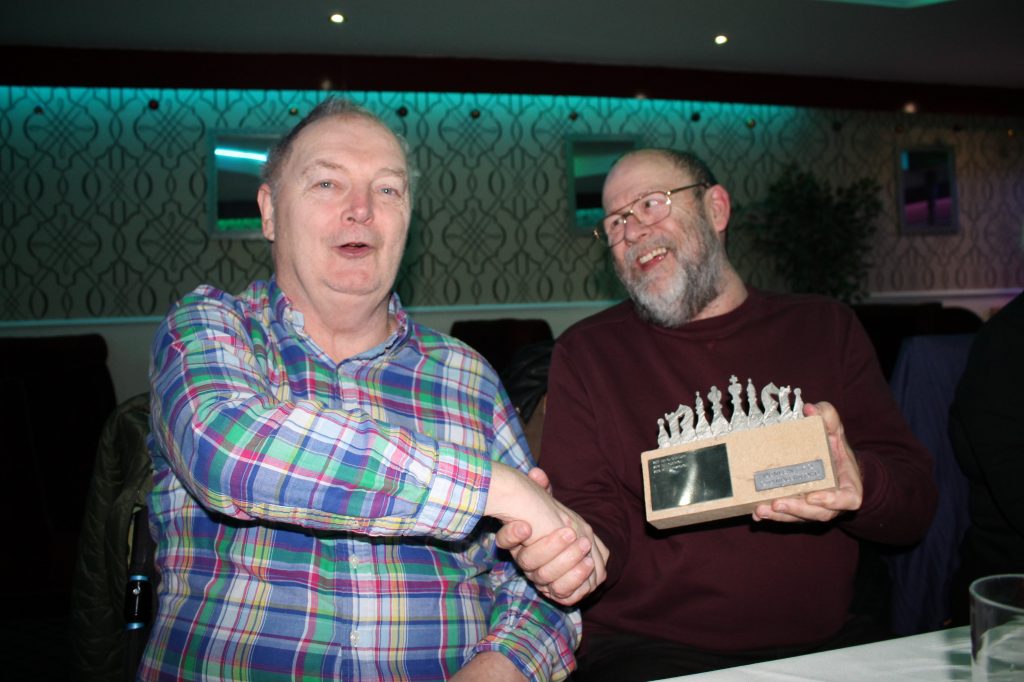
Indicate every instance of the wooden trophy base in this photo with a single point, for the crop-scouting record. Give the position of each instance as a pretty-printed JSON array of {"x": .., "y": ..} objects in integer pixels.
[{"x": 731, "y": 475}]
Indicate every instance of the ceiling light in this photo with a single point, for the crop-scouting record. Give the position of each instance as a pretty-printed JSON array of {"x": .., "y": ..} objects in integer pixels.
[
  {"x": 721, "y": 39},
  {"x": 337, "y": 18}
]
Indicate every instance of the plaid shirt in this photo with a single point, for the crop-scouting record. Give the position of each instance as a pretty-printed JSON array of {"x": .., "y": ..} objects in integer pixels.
[{"x": 318, "y": 520}]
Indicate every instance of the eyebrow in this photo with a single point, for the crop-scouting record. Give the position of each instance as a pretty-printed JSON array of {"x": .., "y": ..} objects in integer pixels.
[{"x": 318, "y": 164}]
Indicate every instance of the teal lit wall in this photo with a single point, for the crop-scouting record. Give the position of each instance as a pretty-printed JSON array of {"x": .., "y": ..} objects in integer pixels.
[{"x": 103, "y": 192}]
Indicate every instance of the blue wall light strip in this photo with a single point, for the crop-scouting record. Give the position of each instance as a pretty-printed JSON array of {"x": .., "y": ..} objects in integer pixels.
[{"x": 239, "y": 154}]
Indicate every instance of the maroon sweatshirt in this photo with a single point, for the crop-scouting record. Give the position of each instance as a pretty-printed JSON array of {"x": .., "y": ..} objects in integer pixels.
[{"x": 731, "y": 585}]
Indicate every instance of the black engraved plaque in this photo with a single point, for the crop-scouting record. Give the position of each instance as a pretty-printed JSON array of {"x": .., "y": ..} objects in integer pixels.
[
  {"x": 689, "y": 477},
  {"x": 793, "y": 474}
]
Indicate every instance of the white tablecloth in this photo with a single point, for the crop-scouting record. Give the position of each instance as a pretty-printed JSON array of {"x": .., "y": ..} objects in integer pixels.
[{"x": 932, "y": 657}]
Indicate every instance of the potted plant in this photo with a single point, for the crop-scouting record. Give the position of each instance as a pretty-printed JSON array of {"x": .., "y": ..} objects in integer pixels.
[{"x": 818, "y": 237}]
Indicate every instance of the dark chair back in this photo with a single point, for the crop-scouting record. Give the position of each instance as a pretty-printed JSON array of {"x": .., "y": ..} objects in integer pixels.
[
  {"x": 114, "y": 586},
  {"x": 55, "y": 394},
  {"x": 924, "y": 382},
  {"x": 498, "y": 340}
]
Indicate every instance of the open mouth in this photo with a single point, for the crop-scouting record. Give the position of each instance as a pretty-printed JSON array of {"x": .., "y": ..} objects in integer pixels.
[{"x": 651, "y": 255}]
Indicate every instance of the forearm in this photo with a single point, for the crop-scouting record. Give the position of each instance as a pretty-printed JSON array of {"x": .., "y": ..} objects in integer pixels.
[
  {"x": 489, "y": 666},
  {"x": 244, "y": 449}
]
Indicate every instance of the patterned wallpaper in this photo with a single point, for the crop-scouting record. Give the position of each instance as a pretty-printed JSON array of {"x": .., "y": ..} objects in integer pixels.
[{"x": 103, "y": 192}]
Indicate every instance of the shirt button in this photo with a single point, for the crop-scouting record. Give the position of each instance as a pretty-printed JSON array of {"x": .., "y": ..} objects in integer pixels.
[
  {"x": 354, "y": 637},
  {"x": 355, "y": 562}
]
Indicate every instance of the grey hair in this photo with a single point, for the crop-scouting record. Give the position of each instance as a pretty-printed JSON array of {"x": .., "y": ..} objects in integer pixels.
[{"x": 328, "y": 108}]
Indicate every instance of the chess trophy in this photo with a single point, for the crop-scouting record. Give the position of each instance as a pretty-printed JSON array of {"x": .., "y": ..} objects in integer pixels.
[{"x": 706, "y": 470}]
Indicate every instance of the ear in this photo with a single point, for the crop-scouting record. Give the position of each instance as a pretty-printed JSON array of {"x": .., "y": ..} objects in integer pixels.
[
  {"x": 263, "y": 198},
  {"x": 718, "y": 207}
]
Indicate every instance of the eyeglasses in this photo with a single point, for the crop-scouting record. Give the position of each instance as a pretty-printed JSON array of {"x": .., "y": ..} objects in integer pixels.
[{"x": 648, "y": 209}]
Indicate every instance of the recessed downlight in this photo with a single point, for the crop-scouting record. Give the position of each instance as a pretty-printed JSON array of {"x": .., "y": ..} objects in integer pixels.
[
  {"x": 721, "y": 39},
  {"x": 337, "y": 18}
]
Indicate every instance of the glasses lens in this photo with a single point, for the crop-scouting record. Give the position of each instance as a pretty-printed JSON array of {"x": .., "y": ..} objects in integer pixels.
[
  {"x": 647, "y": 210},
  {"x": 651, "y": 208},
  {"x": 612, "y": 228}
]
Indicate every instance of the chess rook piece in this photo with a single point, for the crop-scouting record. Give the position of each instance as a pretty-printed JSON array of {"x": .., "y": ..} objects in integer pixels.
[
  {"x": 703, "y": 428},
  {"x": 739, "y": 418},
  {"x": 673, "y": 426},
  {"x": 798, "y": 405}
]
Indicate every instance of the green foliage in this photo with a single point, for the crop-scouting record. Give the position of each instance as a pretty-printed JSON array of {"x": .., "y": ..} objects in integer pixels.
[{"x": 818, "y": 238}]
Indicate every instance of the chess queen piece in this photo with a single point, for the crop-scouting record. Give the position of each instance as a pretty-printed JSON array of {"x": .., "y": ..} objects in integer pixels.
[{"x": 719, "y": 424}]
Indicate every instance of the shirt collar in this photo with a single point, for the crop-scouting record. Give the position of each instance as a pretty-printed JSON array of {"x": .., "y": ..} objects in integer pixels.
[{"x": 284, "y": 313}]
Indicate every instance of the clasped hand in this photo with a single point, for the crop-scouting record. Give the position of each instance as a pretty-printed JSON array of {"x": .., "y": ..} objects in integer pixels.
[{"x": 556, "y": 549}]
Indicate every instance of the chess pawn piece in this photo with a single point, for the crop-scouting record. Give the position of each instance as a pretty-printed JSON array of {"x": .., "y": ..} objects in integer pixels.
[
  {"x": 739, "y": 418},
  {"x": 771, "y": 407},
  {"x": 703, "y": 429},
  {"x": 719, "y": 424},
  {"x": 662, "y": 436},
  {"x": 754, "y": 415}
]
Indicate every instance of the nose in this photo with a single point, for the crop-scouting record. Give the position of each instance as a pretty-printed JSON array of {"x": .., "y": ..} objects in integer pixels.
[
  {"x": 359, "y": 208},
  {"x": 634, "y": 230}
]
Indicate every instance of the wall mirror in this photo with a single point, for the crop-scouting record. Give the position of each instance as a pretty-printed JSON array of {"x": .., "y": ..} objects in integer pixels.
[
  {"x": 235, "y": 159},
  {"x": 588, "y": 160},
  {"x": 927, "y": 191}
]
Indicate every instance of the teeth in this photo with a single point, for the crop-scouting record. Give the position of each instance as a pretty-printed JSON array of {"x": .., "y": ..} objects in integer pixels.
[{"x": 646, "y": 258}]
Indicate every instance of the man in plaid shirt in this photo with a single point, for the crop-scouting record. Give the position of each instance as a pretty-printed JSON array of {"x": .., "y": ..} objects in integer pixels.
[{"x": 330, "y": 477}]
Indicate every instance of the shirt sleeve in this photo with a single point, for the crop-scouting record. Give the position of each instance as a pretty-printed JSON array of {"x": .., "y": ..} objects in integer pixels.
[
  {"x": 537, "y": 635},
  {"x": 243, "y": 452}
]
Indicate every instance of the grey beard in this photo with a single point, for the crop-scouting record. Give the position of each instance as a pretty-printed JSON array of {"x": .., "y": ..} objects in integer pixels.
[{"x": 696, "y": 285}]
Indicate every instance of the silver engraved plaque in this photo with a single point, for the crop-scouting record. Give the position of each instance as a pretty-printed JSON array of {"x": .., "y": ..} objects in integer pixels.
[{"x": 793, "y": 474}]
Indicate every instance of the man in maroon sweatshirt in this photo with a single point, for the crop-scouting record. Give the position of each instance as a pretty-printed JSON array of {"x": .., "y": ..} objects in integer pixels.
[{"x": 779, "y": 582}]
